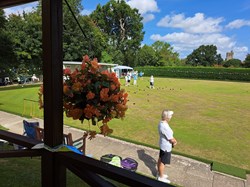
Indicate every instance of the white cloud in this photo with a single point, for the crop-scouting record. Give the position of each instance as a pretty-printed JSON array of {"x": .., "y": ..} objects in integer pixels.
[
  {"x": 144, "y": 6},
  {"x": 197, "y": 24},
  {"x": 148, "y": 17},
  {"x": 240, "y": 52},
  {"x": 19, "y": 9},
  {"x": 241, "y": 49},
  {"x": 238, "y": 23},
  {"x": 185, "y": 43}
]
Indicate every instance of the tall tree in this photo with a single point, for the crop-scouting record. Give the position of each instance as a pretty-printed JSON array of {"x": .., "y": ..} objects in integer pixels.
[
  {"x": 205, "y": 55},
  {"x": 72, "y": 35},
  {"x": 147, "y": 57},
  {"x": 80, "y": 36},
  {"x": 7, "y": 57},
  {"x": 165, "y": 53},
  {"x": 26, "y": 33},
  {"x": 122, "y": 25}
]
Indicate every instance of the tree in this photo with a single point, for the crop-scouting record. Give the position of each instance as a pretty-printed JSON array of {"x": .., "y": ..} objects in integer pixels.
[
  {"x": 73, "y": 38},
  {"x": 247, "y": 61},
  {"x": 122, "y": 25},
  {"x": 80, "y": 36},
  {"x": 165, "y": 53},
  {"x": 26, "y": 33},
  {"x": 7, "y": 56},
  {"x": 2, "y": 19},
  {"x": 205, "y": 55},
  {"x": 232, "y": 63},
  {"x": 147, "y": 57}
]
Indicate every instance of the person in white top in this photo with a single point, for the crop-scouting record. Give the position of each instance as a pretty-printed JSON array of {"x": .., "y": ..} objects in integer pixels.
[
  {"x": 152, "y": 81},
  {"x": 166, "y": 142}
]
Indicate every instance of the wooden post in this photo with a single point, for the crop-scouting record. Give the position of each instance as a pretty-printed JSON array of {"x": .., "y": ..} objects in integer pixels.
[{"x": 53, "y": 173}]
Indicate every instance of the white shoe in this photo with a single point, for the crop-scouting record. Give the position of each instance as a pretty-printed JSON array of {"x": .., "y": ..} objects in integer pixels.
[
  {"x": 164, "y": 176},
  {"x": 163, "y": 180}
]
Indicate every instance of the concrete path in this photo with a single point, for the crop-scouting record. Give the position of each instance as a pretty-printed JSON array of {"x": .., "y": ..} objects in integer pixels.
[{"x": 182, "y": 171}]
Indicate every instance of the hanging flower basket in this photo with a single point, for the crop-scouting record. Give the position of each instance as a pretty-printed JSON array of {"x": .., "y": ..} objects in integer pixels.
[{"x": 92, "y": 94}]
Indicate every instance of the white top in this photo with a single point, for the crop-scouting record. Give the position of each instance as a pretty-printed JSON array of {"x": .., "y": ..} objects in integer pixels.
[
  {"x": 151, "y": 79},
  {"x": 165, "y": 133}
]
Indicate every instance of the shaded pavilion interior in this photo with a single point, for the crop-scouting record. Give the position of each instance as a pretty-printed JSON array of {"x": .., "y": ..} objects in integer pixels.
[{"x": 54, "y": 164}]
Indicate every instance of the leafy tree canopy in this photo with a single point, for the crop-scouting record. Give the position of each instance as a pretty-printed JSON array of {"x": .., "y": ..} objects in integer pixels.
[
  {"x": 7, "y": 57},
  {"x": 121, "y": 24},
  {"x": 232, "y": 63},
  {"x": 247, "y": 61},
  {"x": 165, "y": 54},
  {"x": 147, "y": 57},
  {"x": 26, "y": 33},
  {"x": 205, "y": 55},
  {"x": 2, "y": 19}
]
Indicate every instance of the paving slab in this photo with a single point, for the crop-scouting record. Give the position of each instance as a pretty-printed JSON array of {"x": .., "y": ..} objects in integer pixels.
[
  {"x": 247, "y": 184},
  {"x": 221, "y": 180}
]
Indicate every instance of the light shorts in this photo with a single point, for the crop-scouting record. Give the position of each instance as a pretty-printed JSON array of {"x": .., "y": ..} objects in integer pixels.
[{"x": 165, "y": 157}]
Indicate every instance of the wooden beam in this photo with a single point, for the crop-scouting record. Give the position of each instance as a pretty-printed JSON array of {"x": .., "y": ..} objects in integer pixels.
[
  {"x": 52, "y": 71},
  {"x": 53, "y": 174},
  {"x": 89, "y": 177},
  {"x": 9, "y": 3},
  {"x": 18, "y": 139},
  {"x": 21, "y": 153},
  {"x": 107, "y": 170}
]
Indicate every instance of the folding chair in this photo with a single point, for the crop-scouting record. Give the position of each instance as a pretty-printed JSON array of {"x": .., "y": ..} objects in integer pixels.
[
  {"x": 76, "y": 146},
  {"x": 29, "y": 131}
]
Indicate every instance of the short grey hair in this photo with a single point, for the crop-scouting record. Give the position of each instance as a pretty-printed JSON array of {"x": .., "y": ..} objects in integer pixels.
[{"x": 166, "y": 114}]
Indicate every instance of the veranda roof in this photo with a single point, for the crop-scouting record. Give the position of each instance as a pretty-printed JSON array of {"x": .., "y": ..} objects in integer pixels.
[{"x": 122, "y": 67}]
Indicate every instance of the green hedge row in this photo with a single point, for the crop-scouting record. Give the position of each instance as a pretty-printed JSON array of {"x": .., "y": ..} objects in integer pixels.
[{"x": 209, "y": 73}]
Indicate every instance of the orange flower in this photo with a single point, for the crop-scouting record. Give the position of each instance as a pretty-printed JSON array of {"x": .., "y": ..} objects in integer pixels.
[
  {"x": 85, "y": 58},
  {"x": 67, "y": 71},
  {"x": 112, "y": 87},
  {"x": 104, "y": 94},
  {"x": 90, "y": 95},
  {"x": 105, "y": 72},
  {"x": 105, "y": 130},
  {"x": 94, "y": 66},
  {"x": 114, "y": 98},
  {"x": 83, "y": 66},
  {"x": 75, "y": 113},
  {"x": 77, "y": 87},
  {"x": 94, "y": 63},
  {"x": 88, "y": 111},
  {"x": 67, "y": 91}
]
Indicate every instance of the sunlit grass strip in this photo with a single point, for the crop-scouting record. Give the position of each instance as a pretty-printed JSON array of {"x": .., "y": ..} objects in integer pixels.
[{"x": 230, "y": 170}]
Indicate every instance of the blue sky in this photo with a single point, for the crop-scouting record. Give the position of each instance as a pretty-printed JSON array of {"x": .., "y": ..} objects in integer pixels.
[{"x": 187, "y": 24}]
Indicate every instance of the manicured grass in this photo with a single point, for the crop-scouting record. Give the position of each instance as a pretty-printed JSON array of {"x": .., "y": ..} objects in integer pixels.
[
  {"x": 230, "y": 170},
  {"x": 211, "y": 118}
]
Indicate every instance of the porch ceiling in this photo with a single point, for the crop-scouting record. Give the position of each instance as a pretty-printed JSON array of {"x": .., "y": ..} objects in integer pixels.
[{"x": 9, "y": 3}]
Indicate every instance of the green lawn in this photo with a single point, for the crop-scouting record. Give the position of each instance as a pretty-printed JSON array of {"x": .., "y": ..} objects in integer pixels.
[{"x": 211, "y": 119}]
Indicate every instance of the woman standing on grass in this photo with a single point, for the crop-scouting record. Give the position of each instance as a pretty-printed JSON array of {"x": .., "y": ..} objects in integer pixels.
[{"x": 166, "y": 142}]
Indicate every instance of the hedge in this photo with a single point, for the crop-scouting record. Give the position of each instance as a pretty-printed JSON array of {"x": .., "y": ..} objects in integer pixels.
[{"x": 207, "y": 73}]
